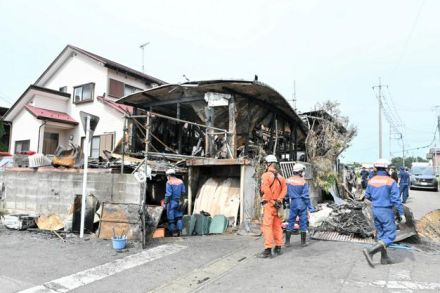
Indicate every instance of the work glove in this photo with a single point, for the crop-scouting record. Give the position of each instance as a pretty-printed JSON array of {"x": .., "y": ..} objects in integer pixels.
[
  {"x": 278, "y": 204},
  {"x": 312, "y": 209},
  {"x": 402, "y": 219}
]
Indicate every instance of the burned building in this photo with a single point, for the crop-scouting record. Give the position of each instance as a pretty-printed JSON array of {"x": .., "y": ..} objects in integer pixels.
[{"x": 218, "y": 131}]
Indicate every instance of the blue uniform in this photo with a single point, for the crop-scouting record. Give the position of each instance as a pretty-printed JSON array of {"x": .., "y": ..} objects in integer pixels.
[
  {"x": 175, "y": 189},
  {"x": 383, "y": 193},
  {"x": 404, "y": 184},
  {"x": 298, "y": 195},
  {"x": 365, "y": 176}
]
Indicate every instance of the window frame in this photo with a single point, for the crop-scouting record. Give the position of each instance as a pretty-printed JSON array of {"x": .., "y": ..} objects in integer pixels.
[
  {"x": 21, "y": 142},
  {"x": 126, "y": 85},
  {"x": 82, "y": 91},
  {"x": 83, "y": 139}
]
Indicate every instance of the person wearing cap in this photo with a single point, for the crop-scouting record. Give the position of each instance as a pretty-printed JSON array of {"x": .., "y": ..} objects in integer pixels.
[
  {"x": 383, "y": 193},
  {"x": 404, "y": 184},
  {"x": 175, "y": 190},
  {"x": 364, "y": 177},
  {"x": 371, "y": 172},
  {"x": 299, "y": 202},
  {"x": 273, "y": 189},
  {"x": 393, "y": 173}
]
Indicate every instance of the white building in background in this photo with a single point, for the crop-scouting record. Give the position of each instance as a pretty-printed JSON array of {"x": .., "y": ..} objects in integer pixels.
[{"x": 47, "y": 113}]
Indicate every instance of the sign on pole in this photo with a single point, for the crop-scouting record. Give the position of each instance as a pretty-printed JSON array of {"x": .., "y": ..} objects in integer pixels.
[{"x": 89, "y": 123}]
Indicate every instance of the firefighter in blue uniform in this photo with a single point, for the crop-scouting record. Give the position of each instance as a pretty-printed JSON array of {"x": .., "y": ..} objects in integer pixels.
[
  {"x": 403, "y": 184},
  {"x": 364, "y": 175},
  {"x": 299, "y": 201},
  {"x": 175, "y": 190},
  {"x": 371, "y": 173},
  {"x": 383, "y": 193}
]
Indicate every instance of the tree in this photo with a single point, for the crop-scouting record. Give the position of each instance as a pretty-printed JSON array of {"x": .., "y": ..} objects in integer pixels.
[
  {"x": 329, "y": 135},
  {"x": 397, "y": 161}
]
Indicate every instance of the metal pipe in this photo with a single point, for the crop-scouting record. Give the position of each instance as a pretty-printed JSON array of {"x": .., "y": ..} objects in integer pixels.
[
  {"x": 123, "y": 144},
  {"x": 39, "y": 136},
  {"x": 144, "y": 199}
]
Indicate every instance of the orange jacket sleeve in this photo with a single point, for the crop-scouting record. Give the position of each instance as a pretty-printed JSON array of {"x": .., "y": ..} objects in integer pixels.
[
  {"x": 283, "y": 188},
  {"x": 266, "y": 181}
]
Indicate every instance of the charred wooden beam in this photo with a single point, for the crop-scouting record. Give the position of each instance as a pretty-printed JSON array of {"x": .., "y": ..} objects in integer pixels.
[
  {"x": 209, "y": 138},
  {"x": 179, "y": 131},
  {"x": 233, "y": 127},
  {"x": 295, "y": 154},
  {"x": 291, "y": 142},
  {"x": 171, "y": 102}
]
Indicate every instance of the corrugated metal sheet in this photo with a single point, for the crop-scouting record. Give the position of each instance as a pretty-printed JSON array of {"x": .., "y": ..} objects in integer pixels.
[{"x": 219, "y": 196}]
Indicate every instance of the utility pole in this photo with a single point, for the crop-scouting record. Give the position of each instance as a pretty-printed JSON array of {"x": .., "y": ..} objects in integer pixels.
[
  {"x": 434, "y": 157},
  {"x": 142, "y": 47},
  {"x": 379, "y": 98},
  {"x": 403, "y": 150}
]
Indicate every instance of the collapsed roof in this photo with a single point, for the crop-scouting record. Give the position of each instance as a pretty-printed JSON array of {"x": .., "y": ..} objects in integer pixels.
[{"x": 259, "y": 108}]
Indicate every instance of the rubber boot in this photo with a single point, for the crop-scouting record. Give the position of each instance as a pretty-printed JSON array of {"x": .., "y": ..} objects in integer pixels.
[
  {"x": 265, "y": 253},
  {"x": 277, "y": 251},
  {"x": 303, "y": 238},
  {"x": 288, "y": 235},
  {"x": 370, "y": 252},
  {"x": 384, "y": 258}
]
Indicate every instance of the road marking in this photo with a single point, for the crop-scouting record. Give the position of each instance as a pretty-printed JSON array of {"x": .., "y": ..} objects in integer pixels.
[
  {"x": 68, "y": 283},
  {"x": 407, "y": 286},
  {"x": 201, "y": 277}
]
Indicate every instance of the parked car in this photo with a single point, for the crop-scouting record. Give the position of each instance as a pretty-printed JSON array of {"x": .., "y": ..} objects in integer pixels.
[{"x": 423, "y": 177}]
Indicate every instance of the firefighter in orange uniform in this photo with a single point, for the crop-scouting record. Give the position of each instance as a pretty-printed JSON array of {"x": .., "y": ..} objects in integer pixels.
[{"x": 273, "y": 189}]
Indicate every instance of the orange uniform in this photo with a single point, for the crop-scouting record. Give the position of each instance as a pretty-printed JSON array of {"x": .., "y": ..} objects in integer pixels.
[{"x": 273, "y": 189}]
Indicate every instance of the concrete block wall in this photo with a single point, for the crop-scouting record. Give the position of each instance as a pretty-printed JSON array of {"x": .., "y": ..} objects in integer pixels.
[{"x": 54, "y": 192}]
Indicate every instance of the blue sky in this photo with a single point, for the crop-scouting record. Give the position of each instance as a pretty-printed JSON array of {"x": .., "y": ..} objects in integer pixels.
[{"x": 332, "y": 49}]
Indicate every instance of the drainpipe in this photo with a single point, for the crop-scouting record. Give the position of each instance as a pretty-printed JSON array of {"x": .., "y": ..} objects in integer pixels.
[{"x": 39, "y": 135}]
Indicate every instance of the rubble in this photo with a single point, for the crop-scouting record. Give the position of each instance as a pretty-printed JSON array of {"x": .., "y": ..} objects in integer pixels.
[
  {"x": 69, "y": 157},
  {"x": 348, "y": 219},
  {"x": 429, "y": 226}
]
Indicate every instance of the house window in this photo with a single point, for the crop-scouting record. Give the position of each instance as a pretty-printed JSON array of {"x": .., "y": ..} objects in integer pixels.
[
  {"x": 99, "y": 144},
  {"x": 22, "y": 146},
  {"x": 83, "y": 93},
  {"x": 128, "y": 90},
  {"x": 63, "y": 89},
  {"x": 94, "y": 152}
]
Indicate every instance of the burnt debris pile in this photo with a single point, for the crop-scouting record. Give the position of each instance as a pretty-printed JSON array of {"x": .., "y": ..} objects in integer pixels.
[{"x": 348, "y": 219}]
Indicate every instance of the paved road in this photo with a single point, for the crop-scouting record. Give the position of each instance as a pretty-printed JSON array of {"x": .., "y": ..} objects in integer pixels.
[
  {"x": 222, "y": 263},
  {"x": 422, "y": 202}
]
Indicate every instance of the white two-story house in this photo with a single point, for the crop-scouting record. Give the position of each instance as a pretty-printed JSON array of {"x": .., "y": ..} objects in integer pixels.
[{"x": 47, "y": 114}]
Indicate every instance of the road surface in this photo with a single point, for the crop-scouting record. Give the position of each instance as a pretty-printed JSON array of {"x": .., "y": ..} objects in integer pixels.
[{"x": 223, "y": 263}]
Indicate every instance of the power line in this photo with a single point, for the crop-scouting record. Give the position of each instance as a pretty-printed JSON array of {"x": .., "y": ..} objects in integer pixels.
[
  {"x": 426, "y": 146},
  {"x": 408, "y": 39}
]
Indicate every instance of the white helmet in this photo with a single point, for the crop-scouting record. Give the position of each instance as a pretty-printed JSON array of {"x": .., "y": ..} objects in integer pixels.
[
  {"x": 382, "y": 163},
  {"x": 298, "y": 167},
  {"x": 170, "y": 172},
  {"x": 271, "y": 159}
]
